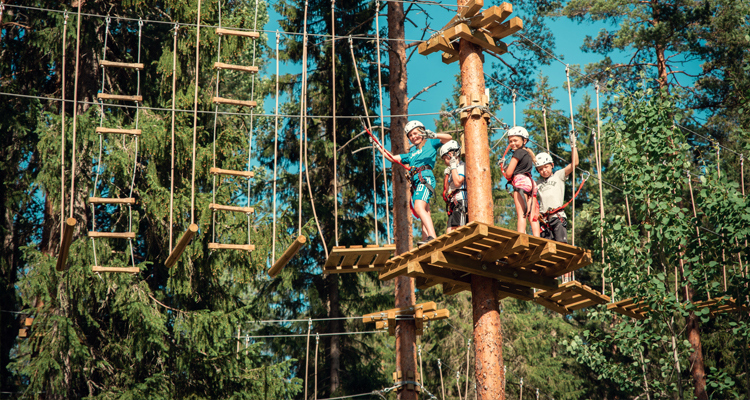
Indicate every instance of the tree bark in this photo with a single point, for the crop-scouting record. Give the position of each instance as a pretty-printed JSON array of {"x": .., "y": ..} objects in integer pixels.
[
  {"x": 334, "y": 346},
  {"x": 697, "y": 367}
]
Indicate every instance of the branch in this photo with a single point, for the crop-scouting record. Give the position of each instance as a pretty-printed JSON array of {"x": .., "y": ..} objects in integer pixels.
[
  {"x": 421, "y": 91},
  {"x": 502, "y": 61}
]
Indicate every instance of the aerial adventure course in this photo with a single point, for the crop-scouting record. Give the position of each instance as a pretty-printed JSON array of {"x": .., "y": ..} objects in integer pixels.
[{"x": 190, "y": 209}]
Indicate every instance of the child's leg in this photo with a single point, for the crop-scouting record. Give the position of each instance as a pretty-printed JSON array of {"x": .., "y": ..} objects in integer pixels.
[
  {"x": 422, "y": 208},
  {"x": 535, "y": 229},
  {"x": 518, "y": 198}
]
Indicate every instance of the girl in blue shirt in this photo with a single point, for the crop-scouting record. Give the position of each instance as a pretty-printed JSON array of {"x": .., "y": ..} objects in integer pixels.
[{"x": 421, "y": 159}]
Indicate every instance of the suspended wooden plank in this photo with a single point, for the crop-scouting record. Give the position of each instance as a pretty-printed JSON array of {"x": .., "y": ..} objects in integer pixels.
[
  {"x": 288, "y": 254},
  {"x": 437, "y": 43},
  {"x": 105, "y": 200},
  {"x": 630, "y": 307},
  {"x": 721, "y": 305},
  {"x": 519, "y": 292},
  {"x": 219, "y": 207},
  {"x": 244, "y": 68},
  {"x": 357, "y": 258},
  {"x": 112, "y": 235},
  {"x": 107, "y": 63},
  {"x": 471, "y": 8},
  {"x": 181, "y": 245},
  {"x": 67, "y": 239},
  {"x": 492, "y": 15},
  {"x": 506, "y": 28},
  {"x": 570, "y": 296},
  {"x": 244, "y": 103},
  {"x": 230, "y": 32},
  {"x": 381, "y": 315},
  {"x": 127, "y": 270},
  {"x": 118, "y": 131},
  {"x": 219, "y": 171},
  {"x": 107, "y": 96},
  {"x": 27, "y": 322},
  {"x": 23, "y": 333},
  {"x": 221, "y": 246},
  {"x": 418, "y": 319}
]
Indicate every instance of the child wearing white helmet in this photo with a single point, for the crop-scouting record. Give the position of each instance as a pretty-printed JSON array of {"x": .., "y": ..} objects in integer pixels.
[
  {"x": 518, "y": 174},
  {"x": 454, "y": 185},
  {"x": 421, "y": 159},
  {"x": 552, "y": 193}
]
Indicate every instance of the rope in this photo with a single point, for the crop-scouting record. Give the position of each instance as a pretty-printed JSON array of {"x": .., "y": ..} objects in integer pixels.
[
  {"x": 75, "y": 111},
  {"x": 335, "y": 162},
  {"x": 171, "y": 168},
  {"x": 573, "y": 174},
  {"x": 213, "y": 142},
  {"x": 458, "y": 386},
  {"x": 317, "y": 343},
  {"x": 276, "y": 148},
  {"x": 599, "y": 161},
  {"x": 419, "y": 353},
  {"x": 544, "y": 118},
  {"x": 195, "y": 112},
  {"x": 302, "y": 110},
  {"x": 382, "y": 123},
  {"x": 307, "y": 356},
  {"x": 514, "y": 107},
  {"x": 442, "y": 386},
  {"x": 520, "y": 395},
  {"x": 252, "y": 122},
  {"x": 62, "y": 125},
  {"x": 466, "y": 390}
]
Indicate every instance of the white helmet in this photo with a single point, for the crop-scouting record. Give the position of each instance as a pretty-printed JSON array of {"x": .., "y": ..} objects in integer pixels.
[
  {"x": 518, "y": 131},
  {"x": 412, "y": 125},
  {"x": 449, "y": 146},
  {"x": 543, "y": 159}
]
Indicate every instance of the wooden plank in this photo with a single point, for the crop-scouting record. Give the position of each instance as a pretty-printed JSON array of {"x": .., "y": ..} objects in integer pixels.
[
  {"x": 436, "y": 315},
  {"x": 380, "y": 315},
  {"x": 244, "y": 68},
  {"x": 552, "y": 305},
  {"x": 107, "y": 63},
  {"x": 118, "y": 131},
  {"x": 479, "y": 38},
  {"x": 288, "y": 254},
  {"x": 105, "y": 200},
  {"x": 67, "y": 239},
  {"x": 27, "y": 322},
  {"x": 577, "y": 262},
  {"x": 436, "y": 274},
  {"x": 181, "y": 245},
  {"x": 592, "y": 294},
  {"x": 449, "y": 290},
  {"x": 494, "y": 14},
  {"x": 471, "y": 8},
  {"x": 231, "y": 32},
  {"x": 127, "y": 270},
  {"x": 511, "y": 275},
  {"x": 112, "y": 235},
  {"x": 516, "y": 291},
  {"x": 23, "y": 333},
  {"x": 506, "y": 28},
  {"x": 349, "y": 260},
  {"x": 220, "y": 207},
  {"x": 122, "y": 97},
  {"x": 512, "y": 246},
  {"x": 243, "y": 103},
  {"x": 418, "y": 320},
  {"x": 437, "y": 43},
  {"x": 532, "y": 255},
  {"x": 222, "y": 246},
  {"x": 449, "y": 58},
  {"x": 219, "y": 171}
]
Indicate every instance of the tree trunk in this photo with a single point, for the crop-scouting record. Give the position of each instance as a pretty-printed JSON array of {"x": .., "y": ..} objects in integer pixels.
[
  {"x": 334, "y": 346},
  {"x": 697, "y": 367}
]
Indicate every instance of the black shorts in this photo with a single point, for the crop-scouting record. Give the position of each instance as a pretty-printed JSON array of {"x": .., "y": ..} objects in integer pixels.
[
  {"x": 459, "y": 216},
  {"x": 556, "y": 230}
]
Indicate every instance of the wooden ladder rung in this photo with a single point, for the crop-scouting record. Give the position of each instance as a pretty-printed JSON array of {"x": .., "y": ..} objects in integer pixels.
[
  {"x": 129, "y": 270},
  {"x": 246, "y": 210},
  {"x": 230, "y": 32},
  {"x": 104, "y": 200},
  {"x": 181, "y": 245},
  {"x": 119, "y": 131},
  {"x": 112, "y": 235},
  {"x": 67, "y": 239},
  {"x": 106, "y": 63},
  {"x": 219, "y": 171},
  {"x": 107, "y": 96},
  {"x": 244, "y": 103},
  {"x": 245, "y": 68},
  {"x": 221, "y": 246}
]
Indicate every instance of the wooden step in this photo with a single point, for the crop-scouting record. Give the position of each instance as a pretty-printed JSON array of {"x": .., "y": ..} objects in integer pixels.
[
  {"x": 246, "y": 210},
  {"x": 104, "y": 200},
  {"x": 244, "y": 103},
  {"x": 67, "y": 239},
  {"x": 288, "y": 254},
  {"x": 107, "y": 96},
  {"x": 105, "y": 63},
  {"x": 251, "y": 69},
  {"x": 219, "y": 171},
  {"x": 112, "y": 235},
  {"x": 220, "y": 246},
  {"x": 129, "y": 270},
  {"x": 181, "y": 245},
  {"x": 230, "y": 32},
  {"x": 118, "y": 131}
]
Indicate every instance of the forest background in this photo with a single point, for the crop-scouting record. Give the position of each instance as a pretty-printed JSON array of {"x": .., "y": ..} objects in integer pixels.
[{"x": 673, "y": 231}]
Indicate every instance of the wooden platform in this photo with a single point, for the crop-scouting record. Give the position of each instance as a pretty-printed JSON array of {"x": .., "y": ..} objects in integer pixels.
[
  {"x": 721, "y": 305},
  {"x": 421, "y": 313},
  {"x": 519, "y": 261},
  {"x": 631, "y": 308},
  {"x": 569, "y": 297},
  {"x": 357, "y": 258}
]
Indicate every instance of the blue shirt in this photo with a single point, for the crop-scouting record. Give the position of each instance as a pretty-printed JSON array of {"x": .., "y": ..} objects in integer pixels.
[{"x": 420, "y": 157}]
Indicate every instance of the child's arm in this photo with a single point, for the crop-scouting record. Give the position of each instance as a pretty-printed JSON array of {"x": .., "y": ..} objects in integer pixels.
[
  {"x": 511, "y": 168},
  {"x": 574, "y": 149},
  {"x": 444, "y": 137},
  {"x": 457, "y": 178},
  {"x": 390, "y": 156}
]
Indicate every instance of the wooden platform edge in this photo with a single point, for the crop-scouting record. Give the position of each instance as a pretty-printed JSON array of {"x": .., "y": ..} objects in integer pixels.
[{"x": 288, "y": 254}]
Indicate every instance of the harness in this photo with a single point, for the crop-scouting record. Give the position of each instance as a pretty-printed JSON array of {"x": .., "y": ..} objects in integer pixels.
[
  {"x": 533, "y": 193},
  {"x": 418, "y": 172},
  {"x": 547, "y": 215}
]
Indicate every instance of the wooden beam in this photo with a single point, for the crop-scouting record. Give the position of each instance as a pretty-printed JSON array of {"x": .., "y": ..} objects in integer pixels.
[
  {"x": 246, "y": 210},
  {"x": 479, "y": 38},
  {"x": 106, "y": 63},
  {"x": 67, "y": 239},
  {"x": 105, "y": 200},
  {"x": 103, "y": 130},
  {"x": 552, "y": 305},
  {"x": 27, "y": 322},
  {"x": 576, "y": 262},
  {"x": 181, "y": 245},
  {"x": 23, "y": 333},
  {"x": 449, "y": 290},
  {"x": 288, "y": 254},
  {"x": 112, "y": 235},
  {"x": 219, "y": 171},
  {"x": 533, "y": 256},
  {"x": 128, "y": 270},
  {"x": 230, "y": 32},
  {"x": 380, "y": 315},
  {"x": 243, "y": 103},
  {"x": 222, "y": 246},
  {"x": 490, "y": 270},
  {"x": 437, "y": 274},
  {"x": 107, "y": 96},
  {"x": 471, "y": 8},
  {"x": 516, "y": 291},
  {"x": 494, "y": 14},
  {"x": 244, "y": 68},
  {"x": 437, "y": 43},
  {"x": 506, "y": 28},
  {"x": 512, "y": 246},
  {"x": 449, "y": 58}
]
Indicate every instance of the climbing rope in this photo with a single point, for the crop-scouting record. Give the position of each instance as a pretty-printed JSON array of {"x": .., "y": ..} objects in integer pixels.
[
  {"x": 62, "y": 124},
  {"x": 75, "y": 112},
  {"x": 195, "y": 113},
  {"x": 252, "y": 121},
  {"x": 442, "y": 385},
  {"x": 514, "y": 108},
  {"x": 382, "y": 123},
  {"x": 599, "y": 161},
  {"x": 573, "y": 173},
  {"x": 171, "y": 165},
  {"x": 307, "y": 355},
  {"x": 315, "y": 383},
  {"x": 335, "y": 162},
  {"x": 275, "y": 148},
  {"x": 544, "y": 119},
  {"x": 213, "y": 142},
  {"x": 466, "y": 390}
]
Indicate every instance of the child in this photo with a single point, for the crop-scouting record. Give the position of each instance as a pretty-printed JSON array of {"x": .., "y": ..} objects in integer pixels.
[
  {"x": 454, "y": 184},
  {"x": 519, "y": 175},
  {"x": 421, "y": 158},
  {"x": 552, "y": 193}
]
